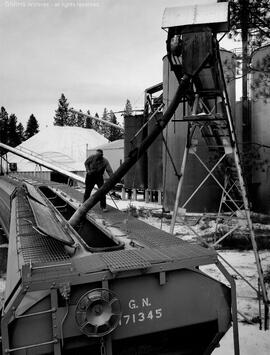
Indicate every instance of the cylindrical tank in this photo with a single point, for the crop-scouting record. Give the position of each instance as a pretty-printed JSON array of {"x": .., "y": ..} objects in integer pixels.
[
  {"x": 137, "y": 176},
  {"x": 260, "y": 113},
  {"x": 175, "y": 135},
  {"x": 208, "y": 197},
  {"x": 155, "y": 164}
]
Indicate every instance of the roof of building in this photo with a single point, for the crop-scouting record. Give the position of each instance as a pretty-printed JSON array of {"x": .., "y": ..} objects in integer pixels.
[
  {"x": 118, "y": 144},
  {"x": 62, "y": 146}
]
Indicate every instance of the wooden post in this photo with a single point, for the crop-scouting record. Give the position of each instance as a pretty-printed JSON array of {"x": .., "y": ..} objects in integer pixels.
[
  {"x": 147, "y": 196},
  {"x": 134, "y": 194},
  {"x": 159, "y": 197}
]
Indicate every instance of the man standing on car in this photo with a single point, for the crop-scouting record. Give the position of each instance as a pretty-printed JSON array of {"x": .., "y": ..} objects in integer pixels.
[{"x": 95, "y": 167}]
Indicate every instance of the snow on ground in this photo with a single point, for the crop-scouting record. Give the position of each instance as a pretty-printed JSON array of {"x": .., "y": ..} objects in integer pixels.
[
  {"x": 252, "y": 340},
  {"x": 244, "y": 263}
]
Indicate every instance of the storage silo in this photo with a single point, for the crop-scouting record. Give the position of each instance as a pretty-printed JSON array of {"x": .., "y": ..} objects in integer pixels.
[
  {"x": 174, "y": 134},
  {"x": 136, "y": 178},
  {"x": 260, "y": 123},
  {"x": 208, "y": 197}
]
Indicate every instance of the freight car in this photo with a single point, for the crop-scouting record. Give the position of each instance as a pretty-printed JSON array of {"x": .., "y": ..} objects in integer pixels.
[
  {"x": 118, "y": 286},
  {"x": 80, "y": 283}
]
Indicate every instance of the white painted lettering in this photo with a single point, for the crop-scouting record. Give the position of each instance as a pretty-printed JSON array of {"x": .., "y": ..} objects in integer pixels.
[
  {"x": 132, "y": 304},
  {"x": 146, "y": 302}
]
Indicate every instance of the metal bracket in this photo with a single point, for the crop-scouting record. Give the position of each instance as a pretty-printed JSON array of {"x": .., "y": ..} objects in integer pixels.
[
  {"x": 64, "y": 289},
  {"x": 162, "y": 278}
]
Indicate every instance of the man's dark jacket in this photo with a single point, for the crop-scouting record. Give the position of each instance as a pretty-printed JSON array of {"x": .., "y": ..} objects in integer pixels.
[{"x": 97, "y": 164}]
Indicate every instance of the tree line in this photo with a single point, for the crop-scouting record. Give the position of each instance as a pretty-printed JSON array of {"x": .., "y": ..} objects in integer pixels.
[
  {"x": 250, "y": 23},
  {"x": 64, "y": 117},
  {"x": 12, "y": 132}
]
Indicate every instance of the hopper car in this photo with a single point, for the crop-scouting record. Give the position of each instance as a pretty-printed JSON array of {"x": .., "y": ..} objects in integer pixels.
[
  {"x": 83, "y": 282},
  {"x": 109, "y": 286}
]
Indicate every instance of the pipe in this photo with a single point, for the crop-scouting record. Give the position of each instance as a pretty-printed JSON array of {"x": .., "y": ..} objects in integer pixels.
[
  {"x": 97, "y": 119},
  {"x": 133, "y": 156}
]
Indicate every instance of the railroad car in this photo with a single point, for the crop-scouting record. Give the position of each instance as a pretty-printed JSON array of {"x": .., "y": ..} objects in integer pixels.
[{"x": 110, "y": 286}]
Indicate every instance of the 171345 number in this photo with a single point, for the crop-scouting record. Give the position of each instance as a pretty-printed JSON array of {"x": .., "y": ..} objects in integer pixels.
[{"x": 141, "y": 316}]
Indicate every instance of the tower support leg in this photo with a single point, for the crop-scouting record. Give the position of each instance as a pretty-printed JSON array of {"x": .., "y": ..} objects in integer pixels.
[{"x": 179, "y": 188}]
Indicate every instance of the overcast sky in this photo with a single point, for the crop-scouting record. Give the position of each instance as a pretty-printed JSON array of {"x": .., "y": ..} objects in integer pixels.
[{"x": 97, "y": 52}]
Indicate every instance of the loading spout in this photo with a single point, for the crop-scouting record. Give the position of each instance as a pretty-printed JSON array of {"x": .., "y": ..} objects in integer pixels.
[{"x": 134, "y": 154}]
